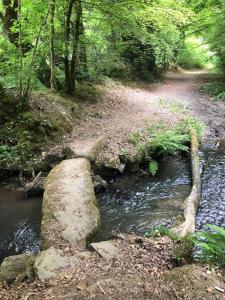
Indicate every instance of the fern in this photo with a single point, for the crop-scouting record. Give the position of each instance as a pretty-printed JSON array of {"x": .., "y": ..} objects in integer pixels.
[
  {"x": 212, "y": 244},
  {"x": 153, "y": 167},
  {"x": 170, "y": 142}
]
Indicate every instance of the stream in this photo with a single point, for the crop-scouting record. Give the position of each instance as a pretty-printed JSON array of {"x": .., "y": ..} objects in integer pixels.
[
  {"x": 135, "y": 204},
  {"x": 19, "y": 223},
  {"x": 130, "y": 204}
]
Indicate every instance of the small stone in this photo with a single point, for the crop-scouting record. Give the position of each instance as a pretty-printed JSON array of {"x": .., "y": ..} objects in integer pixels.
[
  {"x": 49, "y": 262},
  {"x": 106, "y": 249},
  {"x": 99, "y": 183}
]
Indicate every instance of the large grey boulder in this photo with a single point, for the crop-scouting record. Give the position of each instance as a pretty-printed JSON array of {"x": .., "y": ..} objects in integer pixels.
[
  {"x": 49, "y": 262},
  {"x": 88, "y": 148},
  {"x": 15, "y": 267},
  {"x": 69, "y": 205}
]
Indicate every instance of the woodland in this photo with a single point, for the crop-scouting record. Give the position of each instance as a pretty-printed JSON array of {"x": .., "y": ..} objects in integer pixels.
[
  {"x": 67, "y": 46},
  {"x": 149, "y": 77}
]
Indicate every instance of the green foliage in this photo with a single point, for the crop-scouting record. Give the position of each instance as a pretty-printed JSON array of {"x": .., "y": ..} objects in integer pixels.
[
  {"x": 134, "y": 138},
  {"x": 169, "y": 142},
  {"x": 209, "y": 24},
  {"x": 153, "y": 167},
  {"x": 161, "y": 140},
  {"x": 88, "y": 92},
  {"x": 119, "y": 39},
  {"x": 194, "y": 54},
  {"x": 124, "y": 155},
  {"x": 25, "y": 132},
  {"x": 21, "y": 140},
  {"x": 159, "y": 231},
  {"x": 215, "y": 89},
  {"x": 212, "y": 244},
  {"x": 194, "y": 123},
  {"x": 220, "y": 97}
]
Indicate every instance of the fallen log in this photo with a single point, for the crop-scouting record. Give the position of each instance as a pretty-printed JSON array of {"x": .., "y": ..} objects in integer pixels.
[{"x": 191, "y": 203}]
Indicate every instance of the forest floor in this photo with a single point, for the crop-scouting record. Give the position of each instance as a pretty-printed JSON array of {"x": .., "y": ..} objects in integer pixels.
[{"x": 143, "y": 271}]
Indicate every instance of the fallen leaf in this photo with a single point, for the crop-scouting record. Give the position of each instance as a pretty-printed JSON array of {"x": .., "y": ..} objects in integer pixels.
[
  {"x": 209, "y": 290},
  {"x": 82, "y": 286}
]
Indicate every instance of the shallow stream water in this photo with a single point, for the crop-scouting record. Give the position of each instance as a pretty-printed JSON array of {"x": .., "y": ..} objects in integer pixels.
[
  {"x": 212, "y": 206},
  {"x": 130, "y": 204},
  {"x": 135, "y": 204},
  {"x": 19, "y": 223}
]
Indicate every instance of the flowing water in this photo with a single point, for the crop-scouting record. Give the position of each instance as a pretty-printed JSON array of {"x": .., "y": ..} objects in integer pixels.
[
  {"x": 135, "y": 204},
  {"x": 212, "y": 206},
  {"x": 19, "y": 223},
  {"x": 131, "y": 203}
]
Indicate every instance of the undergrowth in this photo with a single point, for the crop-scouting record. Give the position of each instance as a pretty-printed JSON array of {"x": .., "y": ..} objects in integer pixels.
[
  {"x": 211, "y": 244},
  {"x": 26, "y": 130},
  {"x": 160, "y": 231},
  {"x": 215, "y": 89},
  {"x": 182, "y": 248},
  {"x": 160, "y": 140}
]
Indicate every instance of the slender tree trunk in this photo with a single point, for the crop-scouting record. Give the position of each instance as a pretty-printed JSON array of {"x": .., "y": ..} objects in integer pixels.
[
  {"x": 83, "y": 52},
  {"x": 52, "y": 44},
  {"x": 20, "y": 44},
  {"x": 67, "y": 46},
  {"x": 28, "y": 85},
  {"x": 75, "y": 45}
]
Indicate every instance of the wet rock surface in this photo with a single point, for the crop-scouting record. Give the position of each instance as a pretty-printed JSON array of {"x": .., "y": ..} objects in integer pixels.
[{"x": 212, "y": 206}]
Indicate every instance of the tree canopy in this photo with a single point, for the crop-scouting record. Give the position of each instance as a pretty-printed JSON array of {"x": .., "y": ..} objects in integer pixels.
[{"x": 59, "y": 43}]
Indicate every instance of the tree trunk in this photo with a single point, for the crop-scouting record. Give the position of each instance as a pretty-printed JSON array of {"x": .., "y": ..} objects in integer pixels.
[
  {"x": 10, "y": 16},
  {"x": 75, "y": 45},
  {"x": 28, "y": 85},
  {"x": 191, "y": 204},
  {"x": 83, "y": 53},
  {"x": 20, "y": 44},
  {"x": 67, "y": 46},
  {"x": 52, "y": 44}
]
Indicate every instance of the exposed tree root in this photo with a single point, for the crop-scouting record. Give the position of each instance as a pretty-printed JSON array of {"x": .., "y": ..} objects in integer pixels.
[{"x": 192, "y": 201}]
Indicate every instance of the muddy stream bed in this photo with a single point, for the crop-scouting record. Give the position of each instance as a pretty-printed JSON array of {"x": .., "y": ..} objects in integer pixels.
[{"x": 130, "y": 204}]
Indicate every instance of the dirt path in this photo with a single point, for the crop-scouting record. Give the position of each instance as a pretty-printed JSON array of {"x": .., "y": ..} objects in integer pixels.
[{"x": 130, "y": 108}]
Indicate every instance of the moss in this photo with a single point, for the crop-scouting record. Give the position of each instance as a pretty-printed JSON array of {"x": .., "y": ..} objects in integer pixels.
[
  {"x": 89, "y": 92},
  {"x": 28, "y": 131},
  {"x": 182, "y": 251}
]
